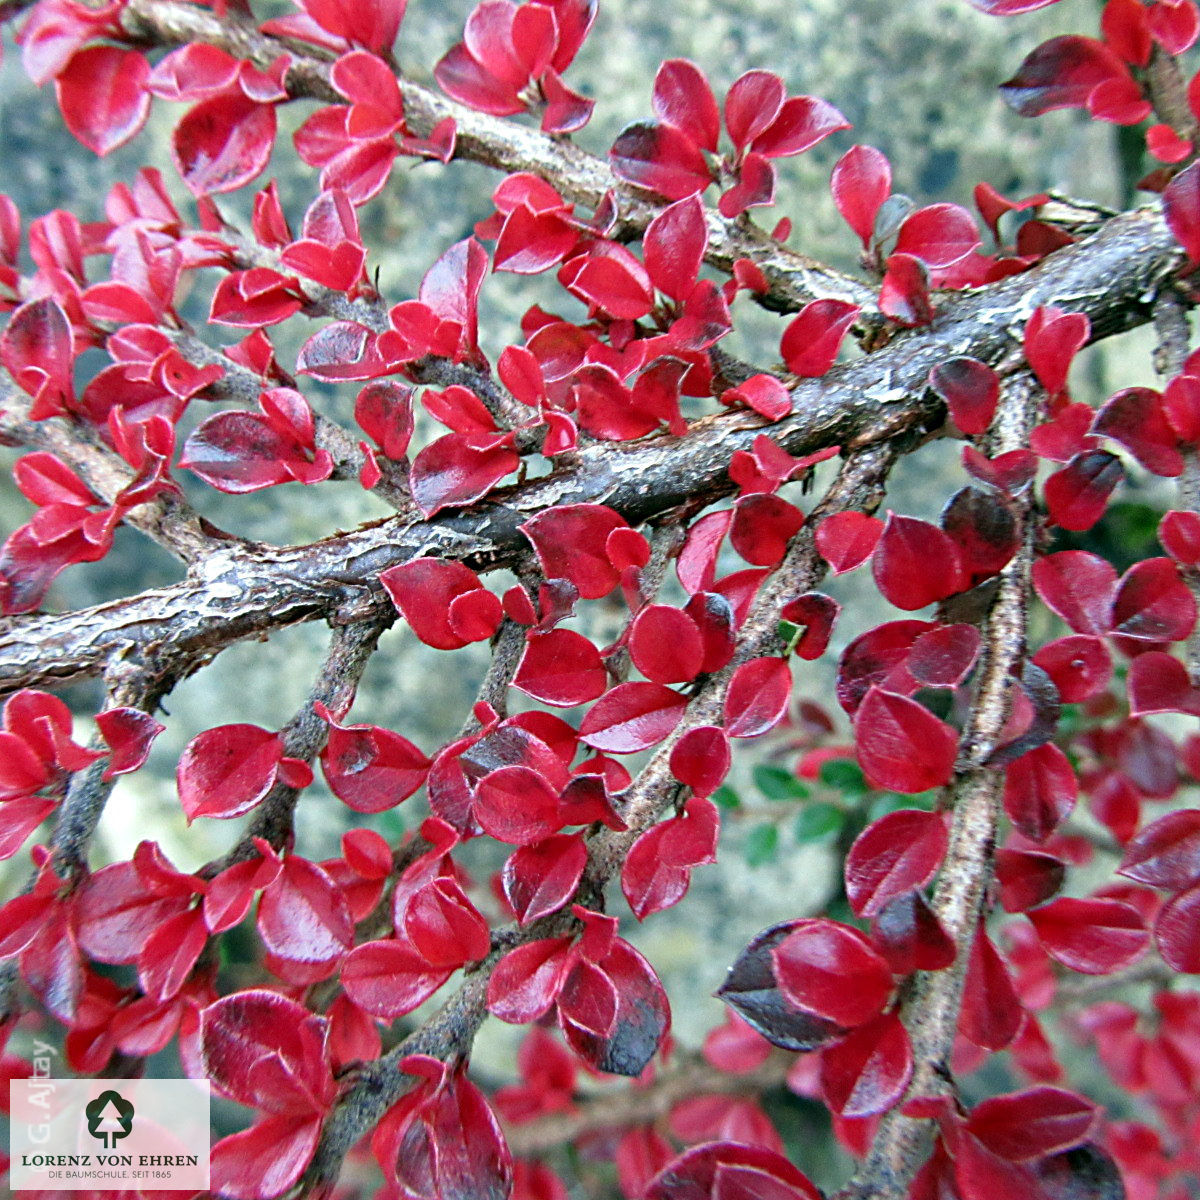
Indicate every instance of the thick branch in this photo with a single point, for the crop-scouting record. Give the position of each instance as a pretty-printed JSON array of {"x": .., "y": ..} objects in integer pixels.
[{"x": 241, "y": 592}]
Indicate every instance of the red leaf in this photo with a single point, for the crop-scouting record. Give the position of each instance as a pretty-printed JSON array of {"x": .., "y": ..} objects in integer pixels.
[
  {"x": 762, "y": 527},
  {"x": 803, "y": 121},
  {"x": 223, "y": 142},
  {"x": 457, "y": 469},
  {"x": 1177, "y": 932},
  {"x": 1153, "y": 604},
  {"x": 569, "y": 541},
  {"x": 832, "y": 971},
  {"x": 1079, "y": 666},
  {"x": 562, "y": 668},
  {"x": 527, "y": 980},
  {"x": 916, "y": 563},
  {"x": 1077, "y": 495},
  {"x": 303, "y": 917},
  {"x": 262, "y": 1162},
  {"x": 369, "y": 768},
  {"x": 1079, "y": 587},
  {"x": 991, "y": 1011},
  {"x": 1159, "y": 683},
  {"x": 1052, "y": 339},
  {"x": 389, "y": 978},
  {"x": 444, "y": 927},
  {"x": 657, "y": 869},
  {"x": 758, "y": 696},
  {"x": 902, "y": 746},
  {"x": 683, "y": 98},
  {"x": 895, "y": 854},
  {"x": 1009, "y": 8},
  {"x": 1166, "y": 854},
  {"x": 904, "y": 293},
  {"x": 1032, "y": 1124},
  {"x": 730, "y": 1171},
  {"x": 1136, "y": 417},
  {"x": 847, "y": 539},
  {"x": 1062, "y": 73},
  {"x": 541, "y": 878},
  {"x": 226, "y": 771},
  {"x": 701, "y": 759},
  {"x": 632, "y": 717},
  {"x": 170, "y": 953},
  {"x": 866, "y": 1072},
  {"x": 939, "y": 234},
  {"x": 516, "y": 805},
  {"x": 425, "y": 589},
  {"x": 103, "y": 97},
  {"x": 811, "y": 341},
  {"x": 267, "y": 1052},
  {"x": 1181, "y": 207},
  {"x": 971, "y": 390},
  {"x": 1039, "y": 791},
  {"x": 660, "y": 158},
  {"x": 666, "y": 645},
  {"x": 1027, "y": 878},
  {"x": 1179, "y": 533},
  {"x": 861, "y": 182},
  {"x": 129, "y": 734},
  {"x": 911, "y": 938},
  {"x": 674, "y": 243},
  {"x": 1095, "y": 937},
  {"x": 751, "y": 989}
]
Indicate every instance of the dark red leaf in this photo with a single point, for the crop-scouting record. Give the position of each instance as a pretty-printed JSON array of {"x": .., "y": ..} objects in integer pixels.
[
  {"x": 847, "y": 539},
  {"x": 1027, "y": 878},
  {"x": 991, "y": 1011},
  {"x": 1062, "y": 73},
  {"x": 970, "y": 389},
  {"x": 1077, "y": 495},
  {"x": 562, "y": 668},
  {"x": 1153, "y": 604},
  {"x": 1177, "y": 932},
  {"x": 1039, "y": 791},
  {"x": 701, "y": 759},
  {"x": 1181, "y": 207},
  {"x": 1136, "y": 418},
  {"x": 1166, "y": 854}
]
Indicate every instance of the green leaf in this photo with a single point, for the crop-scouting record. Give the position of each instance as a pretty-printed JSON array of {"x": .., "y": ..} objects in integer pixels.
[
  {"x": 819, "y": 822},
  {"x": 761, "y": 844},
  {"x": 844, "y": 775},
  {"x": 890, "y": 802},
  {"x": 778, "y": 783},
  {"x": 725, "y": 797}
]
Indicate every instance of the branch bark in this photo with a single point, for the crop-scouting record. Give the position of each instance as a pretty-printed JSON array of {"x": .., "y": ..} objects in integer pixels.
[{"x": 246, "y": 591}]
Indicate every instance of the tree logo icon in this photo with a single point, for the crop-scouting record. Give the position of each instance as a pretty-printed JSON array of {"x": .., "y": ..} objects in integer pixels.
[{"x": 109, "y": 1118}]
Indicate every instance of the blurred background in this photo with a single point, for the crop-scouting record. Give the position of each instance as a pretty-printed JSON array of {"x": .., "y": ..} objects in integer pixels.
[{"x": 919, "y": 82}]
